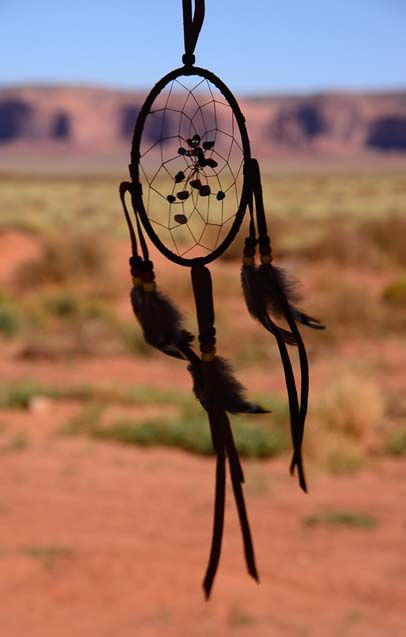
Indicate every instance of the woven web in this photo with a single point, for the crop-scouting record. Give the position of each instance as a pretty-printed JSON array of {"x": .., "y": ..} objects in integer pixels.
[{"x": 191, "y": 166}]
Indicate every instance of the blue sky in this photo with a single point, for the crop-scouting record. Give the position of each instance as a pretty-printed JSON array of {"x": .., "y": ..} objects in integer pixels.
[{"x": 256, "y": 46}]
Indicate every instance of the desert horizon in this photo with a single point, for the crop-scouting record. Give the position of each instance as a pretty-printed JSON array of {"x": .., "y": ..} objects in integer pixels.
[{"x": 54, "y": 129}]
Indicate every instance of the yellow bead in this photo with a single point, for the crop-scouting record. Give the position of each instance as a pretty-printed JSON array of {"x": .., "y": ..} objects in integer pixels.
[
  {"x": 265, "y": 259},
  {"x": 150, "y": 287},
  {"x": 137, "y": 281},
  {"x": 208, "y": 357},
  {"x": 248, "y": 260}
]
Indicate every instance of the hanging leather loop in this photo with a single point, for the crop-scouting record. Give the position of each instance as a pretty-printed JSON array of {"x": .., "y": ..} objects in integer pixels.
[
  {"x": 191, "y": 28},
  {"x": 125, "y": 187},
  {"x": 298, "y": 409},
  {"x": 255, "y": 178}
]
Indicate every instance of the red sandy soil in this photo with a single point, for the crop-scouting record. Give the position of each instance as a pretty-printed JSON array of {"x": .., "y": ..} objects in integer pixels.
[
  {"x": 15, "y": 247},
  {"x": 131, "y": 528},
  {"x": 136, "y": 526},
  {"x": 137, "y": 523}
]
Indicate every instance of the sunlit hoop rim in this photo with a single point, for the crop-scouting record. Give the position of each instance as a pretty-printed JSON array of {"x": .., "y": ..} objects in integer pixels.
[{"x": 135, "y": 159}]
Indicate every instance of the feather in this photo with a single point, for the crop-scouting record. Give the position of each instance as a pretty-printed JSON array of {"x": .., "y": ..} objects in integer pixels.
[
  {"x": 215, "y": 386},
  {"x": 161, "y": 321},
  {"x": 278, "y": 291},
  {"x": 257, "y": 302}
]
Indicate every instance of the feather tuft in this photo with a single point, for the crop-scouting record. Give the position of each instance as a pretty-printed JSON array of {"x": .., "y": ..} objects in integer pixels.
[
  {"x": 216, "y": 387},
  {"x": 257, "y": 302},
  {"x": 161, "y": 322},
  {"x": 278, "y": 292}
]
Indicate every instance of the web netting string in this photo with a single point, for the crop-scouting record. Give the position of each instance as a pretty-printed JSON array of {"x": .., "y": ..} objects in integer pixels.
[{"x": 192, "y": 174}]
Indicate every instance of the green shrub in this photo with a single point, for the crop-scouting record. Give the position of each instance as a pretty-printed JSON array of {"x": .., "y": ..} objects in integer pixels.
[
  {"x": 252, "y": 441},
  {"x": 396, "y": 445},
  {"x": 84, "y": 423},
  {"x": 395, "y": 293},
  {"x": 342, "y": 518},
  {"x": 18, "y": 395},
  {"x": 190, "y": 432},
  {"x": 47, "y": 555},
  {"x": 63, "y": 305},
  {"x": 343, "y": 458},
  {"x": 9, "y": 322}
]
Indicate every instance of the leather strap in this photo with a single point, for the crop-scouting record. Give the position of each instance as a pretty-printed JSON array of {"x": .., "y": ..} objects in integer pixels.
[{"x": 191, "y": 28}]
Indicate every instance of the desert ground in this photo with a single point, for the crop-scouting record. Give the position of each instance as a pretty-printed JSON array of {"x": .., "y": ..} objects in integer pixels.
[{"x": 107, "y": 472}]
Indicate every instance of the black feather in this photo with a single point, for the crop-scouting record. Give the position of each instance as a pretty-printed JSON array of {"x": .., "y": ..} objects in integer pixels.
[
  {"x": 278, "y": 291},
  {"x": 161, "y": 322},
  {"x": 216, "y": 387},
  {"x": 257, "y": 302}
]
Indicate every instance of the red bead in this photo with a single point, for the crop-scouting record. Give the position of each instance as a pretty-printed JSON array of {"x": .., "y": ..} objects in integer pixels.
[{"x": 148, "y": 277}]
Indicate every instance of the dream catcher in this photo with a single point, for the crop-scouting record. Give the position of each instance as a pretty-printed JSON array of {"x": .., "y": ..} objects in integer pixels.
[{"x": 192, "y": 181}]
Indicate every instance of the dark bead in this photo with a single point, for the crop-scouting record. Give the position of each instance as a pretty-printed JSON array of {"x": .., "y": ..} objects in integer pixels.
[
  {"x": 264, "y": 241},
  {"x": 208, "y": 145},
  {"x": 250, "y": 241},
  {"x": 148, "y": 277},
  {"x": 147, "y": 266},
  {"x": 171, "y": 198},
  {"x": 211, "y": 162},
  {"x": 183, "y": 195},
  {"x": 220, "y": 195},
  {"x": 205, "y": 190},
  {"x": 188, "y": 59},
  {"x": 180, "y": 176},
  {"x": 180, "y": 218},
  {"x": 135, "y": 262},
  {"x": 196, "y": 183},
  {"x": 182, "y": 151},
  {"x": 206, "y": 348},
  {"x": 265, "y": 251}
]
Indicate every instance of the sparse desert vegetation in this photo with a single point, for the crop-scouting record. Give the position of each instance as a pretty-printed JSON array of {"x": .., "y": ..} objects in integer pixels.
[
  {"x": 342, "y": 236},
  {"x": 104, "y": 448}
]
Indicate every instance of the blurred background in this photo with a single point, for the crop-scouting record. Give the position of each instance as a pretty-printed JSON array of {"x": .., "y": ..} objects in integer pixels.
[{"x": 107, "y": 474}]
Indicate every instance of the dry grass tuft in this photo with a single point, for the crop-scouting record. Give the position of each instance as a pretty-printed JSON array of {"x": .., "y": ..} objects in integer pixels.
[
  {"x": 346, "y": 304},
  {"x": 388, "y": 235},
  {"x": 346, "y": 422},
  {"x": 350, "y": 406},
  {"x": 343, "y": 242},
  {"x": 79, "y": 260},
  {"x": 394, "y": 293}
]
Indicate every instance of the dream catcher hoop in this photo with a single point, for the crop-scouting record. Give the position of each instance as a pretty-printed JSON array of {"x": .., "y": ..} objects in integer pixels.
[
  {"x": 192, "y": 181},
  {"x": 189, "y": 150}
]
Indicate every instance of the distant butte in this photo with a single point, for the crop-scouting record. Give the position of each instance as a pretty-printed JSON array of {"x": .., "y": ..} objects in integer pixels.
[{"x": 82, "y": 122}]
